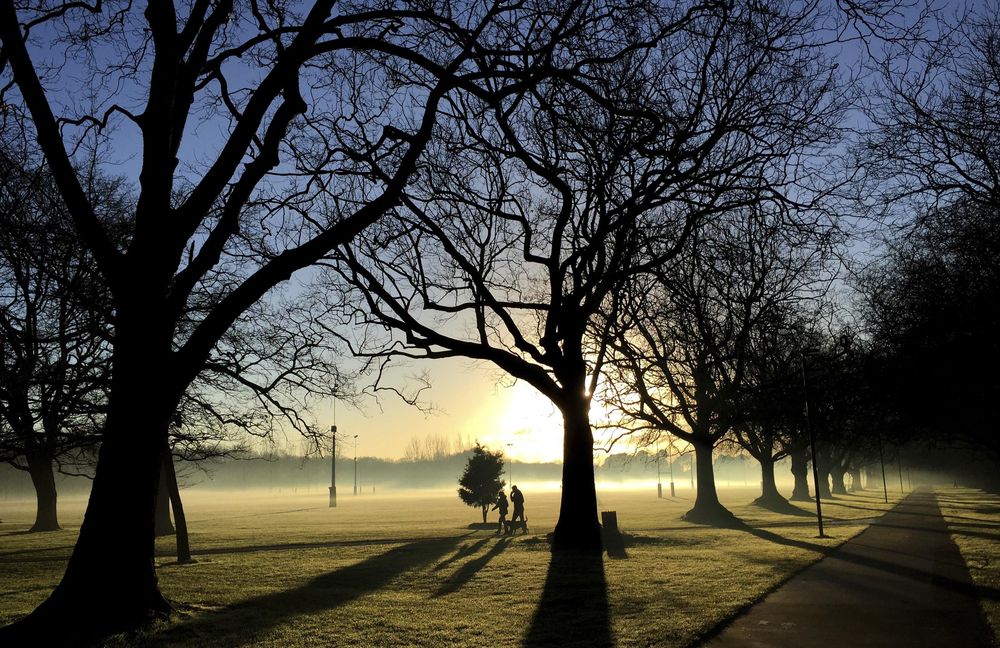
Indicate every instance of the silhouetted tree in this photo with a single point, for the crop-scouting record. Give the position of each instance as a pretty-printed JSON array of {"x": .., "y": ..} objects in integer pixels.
[
  {"x": 773, "y": 427},
  {"x": 54, "y": 334},
  {"x": 480, "y": 482},
  {"x": 684, "y": 351},
  {"x": 320, "y": 117},
  {"x": 936, "y": 116},
  {"x": 931, "y": 306},
  {"x": 527, "y": 220}
]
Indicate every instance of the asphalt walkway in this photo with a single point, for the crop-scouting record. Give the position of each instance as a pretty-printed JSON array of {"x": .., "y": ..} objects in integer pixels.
[{"x": 901, "y": 582}]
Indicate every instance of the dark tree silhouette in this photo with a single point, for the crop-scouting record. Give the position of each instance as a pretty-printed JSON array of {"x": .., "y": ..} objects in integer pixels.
[
  {"x": 773, "y": 425},
  {"x": 480, "y": 482},
  {"x": 684, "y": 350},
  {"x": 936, "y": 116},
  {"x": 527, "y": 220},
  {"x": 320, "y": 116},
  {"x": 931, "y": 305},
  {"x": 54, "y": 334}
]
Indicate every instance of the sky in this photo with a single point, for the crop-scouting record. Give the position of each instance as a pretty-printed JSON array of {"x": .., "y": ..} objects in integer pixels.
[{"x": 472, "y": 402}]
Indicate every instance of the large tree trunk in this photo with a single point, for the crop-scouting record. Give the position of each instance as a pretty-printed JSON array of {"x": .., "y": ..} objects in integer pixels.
[
  {"x": 110, "y": 581},
  {"x": 823, "y": 469},
  {"x": 707, "y": 508},
  {"x": 837, "y": 477},
  {"x": 44, "y": 480},
  {"x": 856, "y": 480},
  {"x": 484, "y": 515},
  {"x": 769, "y": 495},
  {"x": 174, "y": 493},
  {"x": 577, "y": 528},
  {"x": 800, "y": 472},
  {"x": 162, "y": 525}
]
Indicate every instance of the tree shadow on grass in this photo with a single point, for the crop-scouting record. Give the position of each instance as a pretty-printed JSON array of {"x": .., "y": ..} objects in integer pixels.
[
  {"x": 574, "y": 606},
  {"x": 781, "y": 505},
  {"x": 465, "y": 550},
  {"x": 961, "y": 584},
  {"x": 242, "y": 623},
  {"x": 464, "y": 574}
]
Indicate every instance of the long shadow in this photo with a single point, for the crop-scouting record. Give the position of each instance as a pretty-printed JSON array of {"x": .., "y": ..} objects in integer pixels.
[
  {"x": 213, "y": 551},
  {"x": 465, "y": 550},
  {"x": 469, "y": 569},
  {"x": 241, "y": 623},
  {"x": 21, "y": 552},
  {"x": 573, "y": 610},
  {"x": 906, "y": 508},
  {"x": 949, "y": 531},
  {"x": 786, "y": 508},
  {"x": 839, "y": 553}
]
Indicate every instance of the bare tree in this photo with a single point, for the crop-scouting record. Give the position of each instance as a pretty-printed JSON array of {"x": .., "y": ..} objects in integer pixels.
[
  {"x": 936, "y": 115},
  {"x": 319, "y": 114},
  {"x": 54, "y": 335},
  {"x": 684, "y": 349},
  {"x": 773, "y": 426},
  {"x": 527, "y": 221}
]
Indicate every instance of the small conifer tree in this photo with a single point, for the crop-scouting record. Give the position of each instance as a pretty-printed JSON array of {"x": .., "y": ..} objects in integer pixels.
[{"x": 480, "y": 482}]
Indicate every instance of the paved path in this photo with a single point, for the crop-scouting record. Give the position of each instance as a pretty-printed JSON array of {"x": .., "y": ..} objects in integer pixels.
[{"x": 902, "y": 582}]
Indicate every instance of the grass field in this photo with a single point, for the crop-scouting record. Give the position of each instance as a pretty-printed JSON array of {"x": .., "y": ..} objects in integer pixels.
[
  {"x": 407, "y": 569},
  {"x": 973, "y": 519}
]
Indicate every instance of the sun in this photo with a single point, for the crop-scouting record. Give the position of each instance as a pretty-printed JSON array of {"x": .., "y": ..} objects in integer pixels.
[{"x": 530, "y": 423}]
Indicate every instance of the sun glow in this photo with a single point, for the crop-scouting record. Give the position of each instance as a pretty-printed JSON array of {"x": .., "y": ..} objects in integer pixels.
[{"x": 528, "y": 427}]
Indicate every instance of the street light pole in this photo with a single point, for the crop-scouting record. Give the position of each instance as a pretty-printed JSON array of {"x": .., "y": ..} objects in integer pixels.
[
  {"x": 659, "y": 484},
  {"x": 899, "y": 466},
  {"x": 510, "y": 466},
  {"x": 670, "y": 463},
  {"x": 355, "y": 464},
  {"x": 333, "y": 470},
  {"x": 881, "y": 458},
  {"x": 812, "y": 445}
]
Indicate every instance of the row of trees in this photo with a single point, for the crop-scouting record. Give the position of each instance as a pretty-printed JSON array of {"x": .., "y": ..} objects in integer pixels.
[{"x": 618, "y": 199}]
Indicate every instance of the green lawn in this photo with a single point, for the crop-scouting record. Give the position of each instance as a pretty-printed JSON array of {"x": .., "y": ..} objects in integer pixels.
[
  {"x": 285, "y": 570},
  {"x": 974, "y": 521}
]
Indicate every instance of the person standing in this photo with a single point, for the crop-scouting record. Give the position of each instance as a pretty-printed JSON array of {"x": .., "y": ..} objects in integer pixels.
[
  {"x": 518, "y": 500},
  {"x": 501, "y": 505}
]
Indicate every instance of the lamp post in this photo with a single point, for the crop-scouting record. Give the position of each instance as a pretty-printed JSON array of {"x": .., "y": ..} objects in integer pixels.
[
  {"x": 333, "y": 470},
  {"x": 812, "y": 445},
  {"x": 510, "y": 465},
  {"x": 659, "y": 485},
  {"x": 899, "y": 466},
  {"x": 355, "y": 464},
  {"x": 881, "y": 458},
  {"x": 670, "y": 464}
]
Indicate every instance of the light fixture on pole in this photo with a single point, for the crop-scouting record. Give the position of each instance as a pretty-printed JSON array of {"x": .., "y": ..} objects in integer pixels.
[
  {"x": 355, "y": 464},
  {"x": 510, "y": 466},
  {"x": 881, "y": 458},
  {"x": 812, "y": 444}
]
